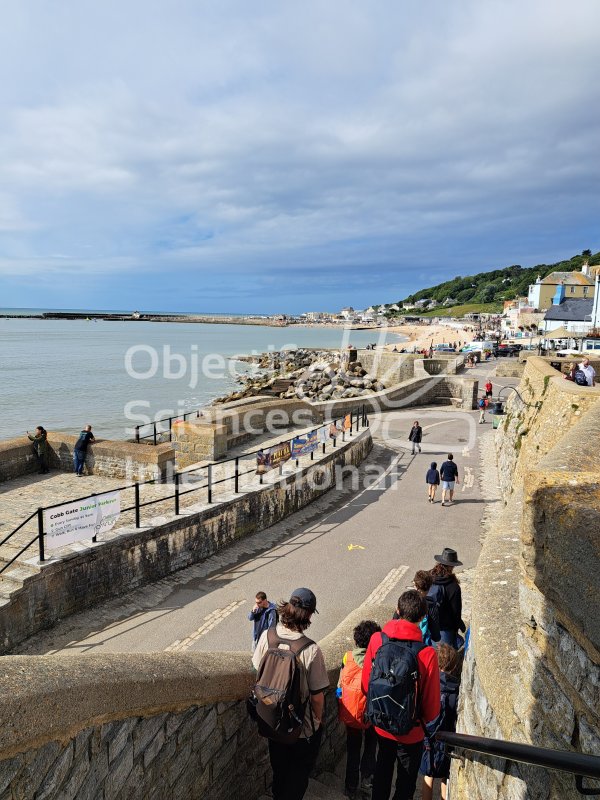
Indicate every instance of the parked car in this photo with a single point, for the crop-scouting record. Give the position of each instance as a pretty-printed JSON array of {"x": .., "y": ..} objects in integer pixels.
[{"x": 507, "y": 350}]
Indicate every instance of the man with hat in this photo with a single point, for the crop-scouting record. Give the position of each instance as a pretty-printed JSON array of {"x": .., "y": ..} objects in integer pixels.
[
  {"x": 447, "y": 595},
  {"x": 292, "y": 763}
]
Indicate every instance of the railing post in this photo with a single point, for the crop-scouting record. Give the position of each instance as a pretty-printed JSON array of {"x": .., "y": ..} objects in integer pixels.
[
  {"x": 40, "y": 514},
  {"x": 154, "y": 431},
  {"x": 236, "y": 487},
  {"x": 170, "y": 429},
  {"x": 137, "y": 504},
  {"x": 137, "y": 434},
  {"x": 351, "y": 423},
  {"x": 312, "y": 455},
  {"x": 176, "y": 493},
  {"x": 209, "y": 481}
]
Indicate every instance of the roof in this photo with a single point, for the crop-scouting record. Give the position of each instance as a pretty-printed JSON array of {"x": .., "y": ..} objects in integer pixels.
[
  {"x": 573, "y": 309},
  {"x": 568, "y": 278}
]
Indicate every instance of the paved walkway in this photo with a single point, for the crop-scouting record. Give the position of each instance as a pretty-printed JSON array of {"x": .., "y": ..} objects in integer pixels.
[{"x": 363, "y": 540}]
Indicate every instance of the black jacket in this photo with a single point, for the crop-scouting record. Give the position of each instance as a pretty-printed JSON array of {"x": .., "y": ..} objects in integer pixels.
[
  {"x": 448, "y": 596},
  {"x": 416, "y": 434}
]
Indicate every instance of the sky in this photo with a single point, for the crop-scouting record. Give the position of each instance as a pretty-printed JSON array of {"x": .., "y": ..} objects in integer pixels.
[{"x": 286, "y": 157}]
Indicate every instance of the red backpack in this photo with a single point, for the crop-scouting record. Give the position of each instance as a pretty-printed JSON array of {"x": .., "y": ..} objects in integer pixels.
[{"x": 353, "y": 702}]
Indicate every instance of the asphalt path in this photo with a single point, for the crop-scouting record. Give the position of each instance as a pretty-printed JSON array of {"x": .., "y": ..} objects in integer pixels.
[{"x": 363, "y": 539}]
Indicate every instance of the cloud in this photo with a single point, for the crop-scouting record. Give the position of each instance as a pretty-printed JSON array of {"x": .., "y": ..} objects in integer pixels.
[{"x": 321, "y": 143}]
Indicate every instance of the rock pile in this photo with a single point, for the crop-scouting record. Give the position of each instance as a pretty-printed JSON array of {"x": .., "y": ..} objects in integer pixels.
[
  {"x": 314, "y": 375},
  {"x": 334, "y": 382}
]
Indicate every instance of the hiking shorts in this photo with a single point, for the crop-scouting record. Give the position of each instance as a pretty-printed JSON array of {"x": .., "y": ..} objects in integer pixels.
[{"x": 448, "y": 485}]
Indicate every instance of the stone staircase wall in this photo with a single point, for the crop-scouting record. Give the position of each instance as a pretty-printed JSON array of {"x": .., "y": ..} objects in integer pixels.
[{"x": 532, "y": 673}]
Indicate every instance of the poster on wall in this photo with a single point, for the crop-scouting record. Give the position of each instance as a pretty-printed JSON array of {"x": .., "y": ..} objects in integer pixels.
[
  {"x": 82, "y": 519},
  {"x": 270, "y": 457},
  {"x": 304, "y": 445}
]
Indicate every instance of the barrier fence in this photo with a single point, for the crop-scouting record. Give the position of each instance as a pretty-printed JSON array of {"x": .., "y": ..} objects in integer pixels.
[{"x": 351, "y": 423}]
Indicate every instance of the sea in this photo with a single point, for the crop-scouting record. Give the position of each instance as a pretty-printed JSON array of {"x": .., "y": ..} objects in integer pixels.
[{"x": 64, "y": 374}]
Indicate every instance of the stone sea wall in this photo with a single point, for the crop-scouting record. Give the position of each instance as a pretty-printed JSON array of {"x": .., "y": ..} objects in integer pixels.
[
  {"x": 111, "y": 458},
  {"x": 136, "y": 556},
  {"x": 532, "y": 673}
]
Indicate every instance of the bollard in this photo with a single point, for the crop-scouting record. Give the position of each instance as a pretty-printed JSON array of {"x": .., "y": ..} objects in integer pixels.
[
  {"x": 137, "y": 505},
  {"x": 176, "y": 493}
]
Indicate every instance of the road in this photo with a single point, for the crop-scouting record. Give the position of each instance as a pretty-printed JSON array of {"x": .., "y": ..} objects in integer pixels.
[{"x": 365, "y": 538}]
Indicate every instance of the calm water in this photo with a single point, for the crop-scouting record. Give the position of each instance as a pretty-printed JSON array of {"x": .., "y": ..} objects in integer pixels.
[{"x": 63, "y": 374}]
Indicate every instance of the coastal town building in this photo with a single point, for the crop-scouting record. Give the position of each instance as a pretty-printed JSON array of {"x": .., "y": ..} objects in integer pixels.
[
  {"x": 577, "y": 285},
  {"x": 575, "y": 314}
]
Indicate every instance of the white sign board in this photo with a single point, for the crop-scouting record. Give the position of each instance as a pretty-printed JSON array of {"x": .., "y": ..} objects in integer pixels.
[{"x": 82, "y": 519}]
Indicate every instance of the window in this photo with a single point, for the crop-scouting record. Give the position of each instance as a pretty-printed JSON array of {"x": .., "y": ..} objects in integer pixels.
[
  {"x": 572, "y": 289},
  {"x": 585, "y": 290}
]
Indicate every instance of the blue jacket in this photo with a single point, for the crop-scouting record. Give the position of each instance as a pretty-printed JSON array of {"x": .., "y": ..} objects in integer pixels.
[{"x": 264, "y": 618}]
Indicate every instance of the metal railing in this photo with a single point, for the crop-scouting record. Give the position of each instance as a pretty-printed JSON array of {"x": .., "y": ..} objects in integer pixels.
[
  {"x": 156, "y": 432},
  {"x": 358, "y": 419},
  {"x": 578, "y": 764}
]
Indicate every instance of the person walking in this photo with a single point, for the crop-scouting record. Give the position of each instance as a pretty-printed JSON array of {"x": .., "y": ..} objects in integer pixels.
[
  {"x": 40, "y": 447},
  {"x": 488, "y": 389},
  {"x": 432, "y": 479},
  {"x": 263, "y": 615},
  {"x": 352, "y": 703},
  {"x": 400, "y": 645},
  {"x": 447, "y": 595},
  {"x": 292, "y": 762},
  {"x": 481, "y": 406},
  {"x": 449, "y": 476},
  {"x": 415, "y": 436},
  {"x": 80, "y": 450}
]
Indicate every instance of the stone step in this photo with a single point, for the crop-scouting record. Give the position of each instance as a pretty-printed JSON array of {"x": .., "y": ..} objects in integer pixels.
[{"x": 9, "y": 584}]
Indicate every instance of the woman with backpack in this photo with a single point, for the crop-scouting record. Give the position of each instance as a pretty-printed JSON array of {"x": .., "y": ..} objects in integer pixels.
[
  {"x": 435, "y": 762},
  {"x": 360, "y": 735},
  {"x": 447, "y": 596}
]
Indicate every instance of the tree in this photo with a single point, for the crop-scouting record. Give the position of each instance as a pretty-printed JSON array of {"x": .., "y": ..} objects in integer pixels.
[{"x": 587, "y": 254}]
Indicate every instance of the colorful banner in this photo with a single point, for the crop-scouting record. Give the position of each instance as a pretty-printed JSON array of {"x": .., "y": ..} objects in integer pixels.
[
  {"x": 347, "y": 422},
  {"x": 335, "y": 431},
  {"x": 82, "y": 519},
  {"x": 271, "y": 457},
  {"x": 303, "y": 445},
  {"x": 323, "y": 434}
]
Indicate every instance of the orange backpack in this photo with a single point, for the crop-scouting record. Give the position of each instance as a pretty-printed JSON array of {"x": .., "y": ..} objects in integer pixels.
[{"x": 353, "y": 702}]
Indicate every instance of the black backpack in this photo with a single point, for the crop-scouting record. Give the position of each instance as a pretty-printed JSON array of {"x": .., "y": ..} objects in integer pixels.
[
  {"x": 394, "y": 695},
  {"x": 280, "y": 695},
  {"x": 580, "y": 378}
]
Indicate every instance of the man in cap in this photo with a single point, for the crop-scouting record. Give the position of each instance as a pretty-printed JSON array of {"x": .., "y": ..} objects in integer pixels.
[{"x": 292, "y": 763}]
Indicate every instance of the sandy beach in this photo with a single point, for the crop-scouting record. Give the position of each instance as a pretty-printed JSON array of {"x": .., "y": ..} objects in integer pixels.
[{"x": 423, "y": 336}]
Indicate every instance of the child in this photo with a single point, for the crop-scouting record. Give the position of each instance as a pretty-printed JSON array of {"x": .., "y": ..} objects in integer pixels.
[
  {"x": 351, "y": 710},
  {"x": 432, "y": 479},
  {"x": 429, "y": 625},
  {"x": 435, "y": 762}
]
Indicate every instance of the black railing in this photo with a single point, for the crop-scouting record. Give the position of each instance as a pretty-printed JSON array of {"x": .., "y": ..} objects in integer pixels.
[
  {"x": 358, "y": 420},
  {"x": 155, "y": 431},
  {"x": 578, "y": 764}
]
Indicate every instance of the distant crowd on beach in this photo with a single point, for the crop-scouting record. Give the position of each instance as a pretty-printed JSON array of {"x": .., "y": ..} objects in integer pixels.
[{"x": 397, "y": 689}]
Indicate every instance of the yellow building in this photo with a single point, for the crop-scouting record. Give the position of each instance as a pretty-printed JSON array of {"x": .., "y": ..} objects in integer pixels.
[{"x": 577, "y": 285}]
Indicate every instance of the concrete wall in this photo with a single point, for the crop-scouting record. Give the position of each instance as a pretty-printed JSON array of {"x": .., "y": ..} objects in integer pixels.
[
  {"x": 136, "y": 556},
  {"x": 138, "y": 727},
  {"x": 114, "y": 459},
  {"x": 533, "y": 670}
]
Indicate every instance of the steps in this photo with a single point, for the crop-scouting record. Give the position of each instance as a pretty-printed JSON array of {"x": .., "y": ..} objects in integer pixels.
[{"x": 327, "y": 787}]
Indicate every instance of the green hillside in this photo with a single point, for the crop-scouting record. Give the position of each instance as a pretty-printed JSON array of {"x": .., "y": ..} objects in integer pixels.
[{"x": 492, "y": 288}]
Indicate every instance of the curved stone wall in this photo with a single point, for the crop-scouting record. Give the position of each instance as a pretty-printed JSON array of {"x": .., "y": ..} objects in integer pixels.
[{"x": 135, "y": 727}]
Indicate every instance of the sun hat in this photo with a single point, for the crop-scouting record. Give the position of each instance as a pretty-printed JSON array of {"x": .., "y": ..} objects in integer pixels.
[{"x": 449, "y": 557}]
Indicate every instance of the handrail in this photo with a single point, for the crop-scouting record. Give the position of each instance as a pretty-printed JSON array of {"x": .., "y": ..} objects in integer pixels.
[
  {"x": 581, "y": 764},
  {"x": 18, "y": 528}
]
